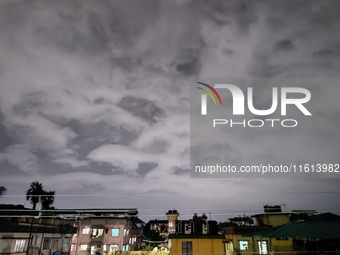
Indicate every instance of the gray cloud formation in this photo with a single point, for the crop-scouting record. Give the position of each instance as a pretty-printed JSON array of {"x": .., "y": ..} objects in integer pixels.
[{"x": 95, "y": 95}]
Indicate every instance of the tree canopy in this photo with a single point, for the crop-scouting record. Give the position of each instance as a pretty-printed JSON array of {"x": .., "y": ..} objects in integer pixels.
[
  {"x": 36, "y": 194},
  {"x": 3, "y": 190}
]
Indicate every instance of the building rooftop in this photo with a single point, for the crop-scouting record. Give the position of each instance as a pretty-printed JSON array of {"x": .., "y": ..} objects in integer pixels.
[
  {"x": 8, "y": 209},
  {"x": 326, "y": 226}
]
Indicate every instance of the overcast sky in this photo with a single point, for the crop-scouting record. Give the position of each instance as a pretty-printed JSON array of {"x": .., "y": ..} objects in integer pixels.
[{"x": 94, "y": 98}]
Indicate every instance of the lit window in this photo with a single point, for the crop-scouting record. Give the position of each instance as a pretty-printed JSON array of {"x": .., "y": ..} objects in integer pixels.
[
  {"x": 171, "y": 224},
  {"x": 243, "y": 245},
  {"x": 97, "y": 233},
  {"x": 83, "y": 247},
  {"x": 262, "y": 247},
  {"x": 104, "y": 247},
  {"x": 93, "y": 250},
  {"x": 86, "y": 231},
  {"x": 113, "y": 247},
  {"x": 124, "y": 231},
  {"x": 19, "y": 245},
  {"x": 127, "y": 247},
  {"x": 115, "y": 232}
]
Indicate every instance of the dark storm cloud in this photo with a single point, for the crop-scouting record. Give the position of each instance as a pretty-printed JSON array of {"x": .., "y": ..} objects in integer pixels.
[
  {"x": 145, "y": 167},
  {"x": 181, "y": 171},
  {"x": 284, "y": 45},
  {"x": 5, "y": 138},
  {"x": 142, "y": 108},
  {"x": 95, "y": 95}
]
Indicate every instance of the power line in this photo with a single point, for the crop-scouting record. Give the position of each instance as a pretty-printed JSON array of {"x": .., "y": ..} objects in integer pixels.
[{"x": 181, "y": 194}]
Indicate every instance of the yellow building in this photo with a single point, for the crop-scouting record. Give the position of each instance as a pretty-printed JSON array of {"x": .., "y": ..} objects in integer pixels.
[
  {"x": 239, "y": 240},
  {"x": 197, "y": 244},
  {"x": 272, "y": 219}
]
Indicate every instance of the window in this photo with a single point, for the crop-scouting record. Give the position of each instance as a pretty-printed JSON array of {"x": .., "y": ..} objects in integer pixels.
[
  {"x": 66, "y": 242},
  {"x": 124, "y": 231},
  {"x": 262, "y": 247},
  {"x": 104, "y": 247},
  {"x": 93, "y": 250},
  {"x": 86, "y": 231},
  {"x": 187, "y": 229},
  {"x": 19, "y": 245},
  {"x": 113, "y": 247},
  {"x": 97, "y": 233},
  {"x": 123, "y": 248},
  {"x": 243, "y": 245},
  {"x": 54, "y": 243},
  {"x": 115, "y": 232},
  {"x": 73, "y": 247},
  {"x": 46, "y": 244},
  {"x": 83, "y": 247},
  {"x": 186, "y": 248},
  {"x": 127, "y": 247}
]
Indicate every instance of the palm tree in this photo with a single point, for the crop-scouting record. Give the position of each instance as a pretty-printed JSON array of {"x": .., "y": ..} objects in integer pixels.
[
  {"x": 34, "y": 193},
  {"x": 47, "y": 200},
  {"x": 2, "y": 190}
]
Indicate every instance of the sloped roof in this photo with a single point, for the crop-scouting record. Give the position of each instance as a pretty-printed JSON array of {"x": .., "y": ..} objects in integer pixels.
[
  {"x": 324, "y": 217},
  {"x": 302, "y": 229},
  {"x": 137, "y": 220}
]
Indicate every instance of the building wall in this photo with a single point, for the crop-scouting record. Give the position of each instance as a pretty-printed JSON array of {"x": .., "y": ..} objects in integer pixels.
[
  {"x": 19, "y": 234},
  {"x": 282, "y": 246},
  {"x": 172, "y": 218},
  {"x": 199, "y": 246},
  {"x": 17, "y": 243},
  {"x": 273, "y": 219},
  {"x": 132, "y": 237}
]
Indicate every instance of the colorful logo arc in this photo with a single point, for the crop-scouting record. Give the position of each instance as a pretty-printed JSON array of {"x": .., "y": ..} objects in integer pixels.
[{"x": 208, "y": 92}]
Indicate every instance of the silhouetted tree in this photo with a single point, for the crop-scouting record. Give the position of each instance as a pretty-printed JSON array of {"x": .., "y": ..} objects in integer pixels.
[
  {"x": 2, "y": 190},
  {"x": 34, "y": 193},
  {"x": 47, "y": 200}
]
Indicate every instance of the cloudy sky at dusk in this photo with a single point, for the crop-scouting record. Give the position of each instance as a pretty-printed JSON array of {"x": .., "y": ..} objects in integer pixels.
[{"x": 94, "y": 98}]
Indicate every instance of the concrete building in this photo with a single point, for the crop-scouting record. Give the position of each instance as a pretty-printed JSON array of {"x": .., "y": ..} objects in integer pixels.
[
  {"x": 106, "y": 230},
  {"x": 25, "y": 231},
  {"x": 196, "y": 236}
]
